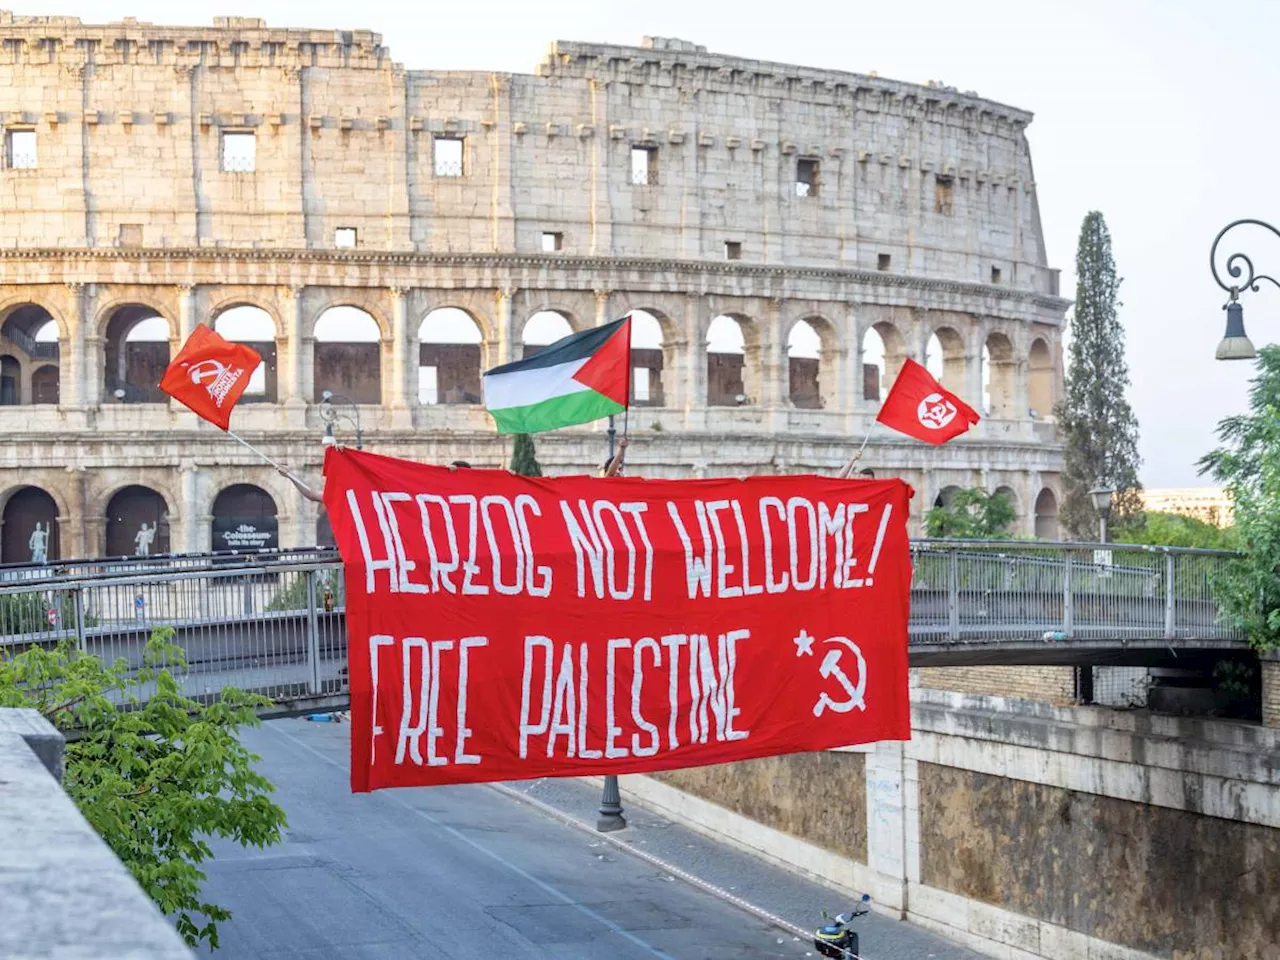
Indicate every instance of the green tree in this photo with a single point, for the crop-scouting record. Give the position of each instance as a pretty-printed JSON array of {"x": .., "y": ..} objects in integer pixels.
[
  {"x": 1248, "y": 466},
  {"x": 1099, "y": 426},
  {"x": 973, "y": 514},
  {"x": 1175, "y": 530},
  {"x": 524, "y": 458},
  {"x": 158, "y": 778}
]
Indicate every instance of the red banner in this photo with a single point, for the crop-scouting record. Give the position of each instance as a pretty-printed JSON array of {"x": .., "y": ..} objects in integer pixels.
[{"x": 503, "y": 628}]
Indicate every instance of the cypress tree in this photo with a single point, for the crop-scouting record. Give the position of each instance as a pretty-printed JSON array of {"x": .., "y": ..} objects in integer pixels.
[
  {"x": 1099, "y": 426},
  {"x": 524, "y": 459}
]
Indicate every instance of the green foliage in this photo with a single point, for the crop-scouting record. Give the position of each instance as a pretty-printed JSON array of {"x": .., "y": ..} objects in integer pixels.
[
  {"x": 524, "y": 459},
  {"x": 1248, "y": 466},
  {"x": 1099, "y": 426},
  {"x": 1174, "y": 530},
  {"x": 973, "y": 514},
  {"x": 157, "y": 778}
]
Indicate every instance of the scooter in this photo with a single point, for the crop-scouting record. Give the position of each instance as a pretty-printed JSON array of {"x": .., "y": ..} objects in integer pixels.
[{"x": 837, "y": 939}]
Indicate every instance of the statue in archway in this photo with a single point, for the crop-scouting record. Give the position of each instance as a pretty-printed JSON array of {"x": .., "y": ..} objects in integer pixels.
[
  {"x": 39, "y": 544},
  {"x": 146, "y": 534}
]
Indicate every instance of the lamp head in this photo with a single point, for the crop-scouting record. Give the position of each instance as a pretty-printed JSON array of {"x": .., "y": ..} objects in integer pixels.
[
  {"x": 1102, "y": 497},
  {"x": 1235, "y": 345}
]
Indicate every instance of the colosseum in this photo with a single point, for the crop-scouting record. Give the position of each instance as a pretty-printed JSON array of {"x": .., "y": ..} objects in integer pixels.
[{"x": 784, "y": 236}]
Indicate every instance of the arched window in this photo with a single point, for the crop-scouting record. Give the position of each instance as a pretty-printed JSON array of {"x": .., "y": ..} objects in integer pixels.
[
  {"x": 1041, "y": 385},
  {"x": 997, "y": 382},
  {"x": 30, "y": 531},
  {"x": 1047, "y": 515},
  {"x": 348, "y": 355},
  {"x": 137, "y": 523},
  {"x": 244, "y": 519},
  {"x": 253, "y": 327},
  {"x": 946, "y": 496},
  {"x": 10, "y": 381},
  {"x": 804, "y": 350},
  {"x": 1012, "y": 499},
  {"x": 725, "y": 359},
  {"x": 29, "y": 332},
  {"x": 543, "y": 329},
  {"x": 944, "y": 358},
  {"x": 646, "y": 360},
  {"x": 449, "y": 362},
  {"x": 136, "y": 353}
]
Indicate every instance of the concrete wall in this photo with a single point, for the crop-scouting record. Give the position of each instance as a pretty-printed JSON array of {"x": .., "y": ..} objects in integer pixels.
[
  {"x": 1027, "y": 830},
  {"x": 1271, "y": 690},
  {"x": 63, "y": 893},
  {"x": 1047, "y": 684}
]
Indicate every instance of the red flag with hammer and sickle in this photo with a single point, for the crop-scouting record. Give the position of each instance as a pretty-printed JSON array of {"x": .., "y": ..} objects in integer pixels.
[
  {"x": 210, "y": 374},
  {"x": 921, "y": 407}
]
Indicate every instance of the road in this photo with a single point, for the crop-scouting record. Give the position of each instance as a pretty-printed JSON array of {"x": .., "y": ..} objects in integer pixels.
[{"x": 464, "y": 873}]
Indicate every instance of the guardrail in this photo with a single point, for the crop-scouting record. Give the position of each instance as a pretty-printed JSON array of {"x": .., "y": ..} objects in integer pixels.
[{"x": 275, "y": 623}]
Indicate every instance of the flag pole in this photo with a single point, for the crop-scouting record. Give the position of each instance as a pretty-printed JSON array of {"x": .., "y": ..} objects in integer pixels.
[
  {"x": 275, "y": 463},
  {"x": 848, "y": 467}
]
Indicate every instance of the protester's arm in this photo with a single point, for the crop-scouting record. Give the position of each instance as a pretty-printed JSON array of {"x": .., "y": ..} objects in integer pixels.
[
  {"x": 302, "y": 487},
  {"x": 616, "y": 463}
]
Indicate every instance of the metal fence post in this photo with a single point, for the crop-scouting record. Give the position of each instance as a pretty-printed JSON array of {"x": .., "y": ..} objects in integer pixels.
[
  {"x": 77, "y": 600},
  {"x": 1068, "y": 607},
  {"x": 313, "y": 637},
  {"x": 1170, "y": 598},
  {"x": 953, "y": 595}
]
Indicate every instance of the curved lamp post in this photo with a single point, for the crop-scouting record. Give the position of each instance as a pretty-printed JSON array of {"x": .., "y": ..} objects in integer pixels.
[
  {"x": 330, "y": 415},
  {"x": 1235, "y": 344}
]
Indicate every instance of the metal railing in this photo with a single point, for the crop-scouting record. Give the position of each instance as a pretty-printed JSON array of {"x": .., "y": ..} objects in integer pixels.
[{"x": 275, "y": 623}]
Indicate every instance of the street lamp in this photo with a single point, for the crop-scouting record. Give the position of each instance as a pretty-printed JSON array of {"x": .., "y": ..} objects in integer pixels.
[
  {"x": 611, "y": 817},
  {"x": 1235, "y": 344},
  {"x": 330, "y": 415},
  {"x": 1102, "y": 497}
]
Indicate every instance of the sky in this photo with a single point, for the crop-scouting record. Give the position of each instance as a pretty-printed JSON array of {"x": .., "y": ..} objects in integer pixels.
[{"x": 1158, "y": 113}]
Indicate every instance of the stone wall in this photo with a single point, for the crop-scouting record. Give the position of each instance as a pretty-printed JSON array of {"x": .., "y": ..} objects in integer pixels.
[
  {"x": 1270, "y": 690},
  {"x": 816, "y": 797},
  {"x": 179, "y": 172},
  {"x": 1025, "y": 830},
  {"x": 1026, "y": 682}
]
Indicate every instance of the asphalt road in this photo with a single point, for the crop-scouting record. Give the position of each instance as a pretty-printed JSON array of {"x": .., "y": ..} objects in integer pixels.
[{"x": 467, "y": 872}]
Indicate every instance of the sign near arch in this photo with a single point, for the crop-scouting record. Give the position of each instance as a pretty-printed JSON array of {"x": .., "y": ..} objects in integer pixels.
[{"x": 501, "y": 627}]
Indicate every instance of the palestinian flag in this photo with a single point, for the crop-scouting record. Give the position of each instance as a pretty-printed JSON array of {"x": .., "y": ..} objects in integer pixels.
[{"x": 579, "y": 378}]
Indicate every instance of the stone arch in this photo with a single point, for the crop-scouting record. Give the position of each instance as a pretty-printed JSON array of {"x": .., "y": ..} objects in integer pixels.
[
  {"x": 578, "y": 307},
  {"x": 22, "y": 301},
  {"x": 648, "y": 343},
  {"x": 946, "y": 495},
  {"x": 944, "y": 357},
  {"x": 450, "y": 361},
  {"x": 131, "y": 512},
  {"x": 136, "y": 351},
  {"x": 728, "y": 379},
  {"x": 348, "y": 354},
  {"x": 883, "y": 350},
  {"x": 222, "y": 301},
  {"x": 812, "y": 343},
  {"x": 28, "y": 509},
  {"x": 245, "y": 519},
  {"x": 374, "y": 306},
  {"x": 253, "y": 326},
  {"x": 1040, "y": 361},
  {"x": 141, "y": 298},
  {"x": 1047, "y": 527},
  {"x": 542, "y": 328},
  {"x": 998, "y": 375},
  {"x": 46, "y": 384}
]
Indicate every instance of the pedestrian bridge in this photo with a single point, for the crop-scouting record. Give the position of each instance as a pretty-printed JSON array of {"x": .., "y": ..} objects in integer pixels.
[{"x": 274, "y": 623}]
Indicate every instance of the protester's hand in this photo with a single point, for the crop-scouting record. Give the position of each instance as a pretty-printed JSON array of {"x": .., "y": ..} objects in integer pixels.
[{"x": 623, "y": 443}]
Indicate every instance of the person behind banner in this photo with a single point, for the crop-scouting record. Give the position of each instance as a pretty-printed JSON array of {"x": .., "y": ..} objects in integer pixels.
[{"x": 613, "y": 466}]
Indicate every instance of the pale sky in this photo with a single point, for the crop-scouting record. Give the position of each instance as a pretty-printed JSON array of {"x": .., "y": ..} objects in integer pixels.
[{"x": 1159, "y": 113}]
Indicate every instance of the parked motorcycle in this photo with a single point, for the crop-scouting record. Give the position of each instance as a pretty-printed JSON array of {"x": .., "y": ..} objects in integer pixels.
[{"x": 838, "y": 939}]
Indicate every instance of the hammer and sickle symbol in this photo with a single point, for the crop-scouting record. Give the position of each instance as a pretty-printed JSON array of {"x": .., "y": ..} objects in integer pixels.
[
  {"x": 206, "y": 370},
  {"x": 854, "y": 693}
]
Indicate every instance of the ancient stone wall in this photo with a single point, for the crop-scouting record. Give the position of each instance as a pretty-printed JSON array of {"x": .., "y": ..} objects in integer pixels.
[{"x": 178, "y": 173}]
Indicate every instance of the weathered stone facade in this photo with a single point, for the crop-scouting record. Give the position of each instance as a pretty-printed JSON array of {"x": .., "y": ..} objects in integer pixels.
[{"x": 179, "y": 172}]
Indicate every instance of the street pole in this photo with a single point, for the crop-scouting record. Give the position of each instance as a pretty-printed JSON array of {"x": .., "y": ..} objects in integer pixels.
[{"x": 611, "y": 817}]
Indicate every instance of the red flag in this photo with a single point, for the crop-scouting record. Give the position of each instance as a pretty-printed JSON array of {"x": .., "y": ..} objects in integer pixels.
[
  {"x": 210, "y": 374},
  {"x": 921, "y": 407}
]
